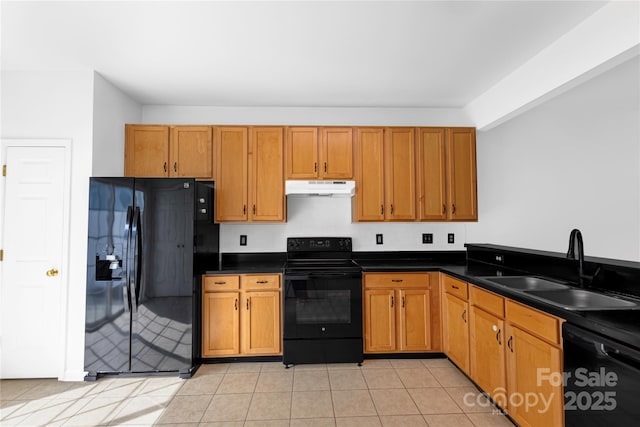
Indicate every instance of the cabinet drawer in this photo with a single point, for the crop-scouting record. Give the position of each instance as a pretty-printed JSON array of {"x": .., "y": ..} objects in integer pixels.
[
  {"x": 455, "y": 287},
  {"x": 260, "y": 281},
  {"x": 220, "y": 283},
  {"x": 487, "y": 301},
  {"x": 534, "y": 321},
  {"x": 396, "y": 280}
]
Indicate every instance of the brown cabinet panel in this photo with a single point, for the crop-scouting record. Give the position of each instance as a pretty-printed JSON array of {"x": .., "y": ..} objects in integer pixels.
[
  {"x": 267, "y": 174},
  {"x": 538, "y": 323},
  {"x": 487, "y": 339},
  {"x": 191, "y": 152},
  {"x": 393, "y": 280},
  {"x": 220, "y": 323},
  {"x": 302, "y": 153},
  {"x": 380, "y": 321},
  {"x": 431, "y": 176},
  {"x": 336, "y": 153},
  {"x": 260, "y": 323},
  {"x": 232, "y": 173},
  {"x": 146, "y": 151},
  {"x": 260, "y": 281},
  {"x": 462, "y": 174},
  {"x": 415, "y": 315},
  {"x": 400, "y": 174},
  {"x": 525, "y": 354},
  {"x": 369, "y": 171},
  {"x": 456, "y": 327}
]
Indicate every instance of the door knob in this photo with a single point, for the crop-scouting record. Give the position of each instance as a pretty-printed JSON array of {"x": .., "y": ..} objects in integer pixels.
[{"x": 52, "y": 272}]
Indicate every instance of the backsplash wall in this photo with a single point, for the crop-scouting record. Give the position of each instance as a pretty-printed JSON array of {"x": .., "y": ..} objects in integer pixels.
[{"x": 331, "y": 216}]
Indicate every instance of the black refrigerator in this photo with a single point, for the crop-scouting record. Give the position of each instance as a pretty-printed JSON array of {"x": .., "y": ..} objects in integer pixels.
[{"x": 149, "y": 240}]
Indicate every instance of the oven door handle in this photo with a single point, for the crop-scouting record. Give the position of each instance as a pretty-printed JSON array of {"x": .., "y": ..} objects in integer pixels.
[{"x": 307, "y": 276}]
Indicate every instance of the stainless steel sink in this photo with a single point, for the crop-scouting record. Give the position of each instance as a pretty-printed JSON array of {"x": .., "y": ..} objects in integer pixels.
[
  {"x": 526, "y": 283},
  {"x": 582, "y": 300}
]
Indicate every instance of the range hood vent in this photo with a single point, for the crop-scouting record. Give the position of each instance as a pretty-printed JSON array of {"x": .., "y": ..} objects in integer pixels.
[{"x": 320, "y": 188}]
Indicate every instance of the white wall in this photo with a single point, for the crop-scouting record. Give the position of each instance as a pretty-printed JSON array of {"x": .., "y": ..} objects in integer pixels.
[
  {"x": 59, "y": 105},
  {"x": 331, "y": 216},
  {"x": 573, "y": 162},
  {"x": 111, "y": 110},
  {"x": 158, "y": 114}
]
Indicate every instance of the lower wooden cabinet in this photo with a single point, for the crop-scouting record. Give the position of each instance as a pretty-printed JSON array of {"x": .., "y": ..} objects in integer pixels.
[
  {"x": 456, "y": 321},
  {"x": 487, "y": 343},
  {"x": 400, "y": 313},
  {"x": 534, "y": 363},
  {"x": 241, "y": 315}
]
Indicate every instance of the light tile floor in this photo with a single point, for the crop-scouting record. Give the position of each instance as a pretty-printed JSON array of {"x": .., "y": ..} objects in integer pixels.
[{"x": 407, "y": 392}]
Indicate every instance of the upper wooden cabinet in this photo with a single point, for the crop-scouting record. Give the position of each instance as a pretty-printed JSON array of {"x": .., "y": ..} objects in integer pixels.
[
  {"x": 250, "y": 181},
  {"x": 168, "y": 151},
  {"x": 319, "y": 153},
  {"x": 385, "y": 174},
  {"x": 232, "y": 160},
  {"x": 446, "y": 181}
]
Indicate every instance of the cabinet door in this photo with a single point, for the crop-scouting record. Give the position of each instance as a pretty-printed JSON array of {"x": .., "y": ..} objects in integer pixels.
[
  {"x": 267, "y": 174},
  {"x": 369, "y": 171},
  {"x": 415, "y": 325},
  {"x": 232, "y": 179},
  {"x": 486, "y": 353},
  {"x": 380, "y": 321},
  {"x": 526, "y": 355},
  {"x": 336, "y": 153},
  {"x": 302, "y": 153},
  {"x": 191, "y": 152},
  {"x": 146, "y": 151},
  {"x": 462, "y": 174},
  {"x": 261, "y": 323},
  {"x": 400, "y": 174},
  {"x": 220, "y": 324},
  {"x": 456, "y": 337},
  {"x": 431, "y": 175}
]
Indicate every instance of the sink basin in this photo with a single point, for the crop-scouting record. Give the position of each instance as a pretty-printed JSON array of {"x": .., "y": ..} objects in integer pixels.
[
  {"x": 580, "y": 299},
  {"x": 526, "y": 283}
]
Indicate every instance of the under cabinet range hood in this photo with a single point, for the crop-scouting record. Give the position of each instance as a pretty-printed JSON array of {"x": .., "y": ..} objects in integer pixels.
[{"x": 320, "y": 188}]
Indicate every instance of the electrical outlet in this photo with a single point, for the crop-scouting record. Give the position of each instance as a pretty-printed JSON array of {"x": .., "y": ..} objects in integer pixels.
[
  {"x": 378, "y": 239},
  {"x": 451, "y": 238},
  {"x": 243, "y": 240},
  {"x": 427, "y": 238}
]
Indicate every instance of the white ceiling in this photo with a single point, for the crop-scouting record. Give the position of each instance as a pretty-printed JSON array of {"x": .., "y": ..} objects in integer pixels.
[{"x": 298, "y": 54}]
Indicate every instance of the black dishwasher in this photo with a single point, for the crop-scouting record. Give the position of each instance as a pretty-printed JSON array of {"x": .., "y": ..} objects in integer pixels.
[{"x": 602, "y": 380}]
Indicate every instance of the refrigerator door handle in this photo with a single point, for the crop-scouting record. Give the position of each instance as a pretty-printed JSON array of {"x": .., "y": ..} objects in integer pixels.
[
  {"x": 136, "y": 240},
  {"x": 126, "y": 294}
]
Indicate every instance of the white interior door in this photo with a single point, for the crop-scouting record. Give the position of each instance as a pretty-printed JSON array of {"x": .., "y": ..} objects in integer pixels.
[{"x": 32, "y": 271}]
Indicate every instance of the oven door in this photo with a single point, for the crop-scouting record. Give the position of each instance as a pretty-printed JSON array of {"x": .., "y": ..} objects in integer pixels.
[{"x": 322, "y": 305}]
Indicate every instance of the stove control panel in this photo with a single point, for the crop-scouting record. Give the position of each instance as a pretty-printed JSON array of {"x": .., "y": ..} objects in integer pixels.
[{"x": 319, "y": 244}]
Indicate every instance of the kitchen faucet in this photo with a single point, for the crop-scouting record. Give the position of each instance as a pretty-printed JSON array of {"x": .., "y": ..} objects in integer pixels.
[{"x": 576, "y": 237}]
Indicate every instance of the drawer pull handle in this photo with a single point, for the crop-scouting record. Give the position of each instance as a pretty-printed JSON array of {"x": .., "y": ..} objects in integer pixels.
[
  {"x": 498, "y": 338},
  {"x": 391, "y": 301},
  {"x": 455, "y": 287},
  {"x": 396, "y": 280},
  {"x": 402, "y": 302},
  {"x": 381, "y": 209},
  {"x": 219, "y": 283},
  {"x": 235, "y": 304},
  {"x": 247, "y": 303},
  {"x": 262, "y": 282},
  {"x": 509, "y": 344},
  {"x": 464, "y": 316},
  {"x": 325, "y": 166}
]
